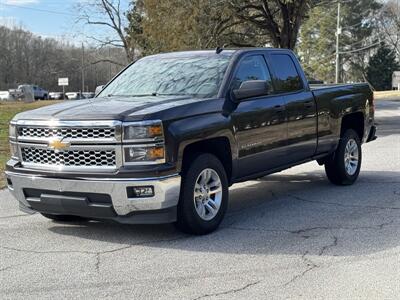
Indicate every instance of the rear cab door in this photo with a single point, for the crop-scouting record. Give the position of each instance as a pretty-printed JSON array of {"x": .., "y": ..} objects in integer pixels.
[{"x": 291, "y": 84}]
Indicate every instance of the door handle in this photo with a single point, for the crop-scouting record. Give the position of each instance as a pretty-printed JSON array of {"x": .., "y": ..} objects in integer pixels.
[
  {"x": 308, "y": 104},
  {"x": 279, "y": 108}
]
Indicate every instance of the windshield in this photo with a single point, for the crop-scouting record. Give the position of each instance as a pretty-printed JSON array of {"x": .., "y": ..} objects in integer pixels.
[{"x": 197, "y": 76}]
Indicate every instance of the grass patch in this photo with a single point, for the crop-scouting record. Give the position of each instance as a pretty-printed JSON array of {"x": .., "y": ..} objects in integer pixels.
[{"x": 7, "y": 111}]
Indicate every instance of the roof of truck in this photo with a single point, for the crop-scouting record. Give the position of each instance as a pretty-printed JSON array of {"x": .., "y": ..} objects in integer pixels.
[{"x": 228, "y": 51}]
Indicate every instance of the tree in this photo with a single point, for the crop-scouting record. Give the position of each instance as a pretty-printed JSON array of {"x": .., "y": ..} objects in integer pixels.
[
  {"x": 134, "y": 30},
  {"x": 278, "y": 20},
  {"x": 169, "y": 25},
  {"x": 389, "y": 19},
  {"x": 30, "y": 59},
  {"x": 317, "y": 43},
  {"x": 109, "y": 15},
  {"x": 381, "y": 67}
]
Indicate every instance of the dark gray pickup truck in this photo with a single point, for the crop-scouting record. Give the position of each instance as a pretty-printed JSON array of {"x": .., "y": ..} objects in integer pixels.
[{"x": 164, "y": 139}]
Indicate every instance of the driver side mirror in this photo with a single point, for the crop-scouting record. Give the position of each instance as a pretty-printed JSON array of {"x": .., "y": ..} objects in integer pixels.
[
  {"x": 250, "y": 89},
  {"x": 98, "y": 89}
]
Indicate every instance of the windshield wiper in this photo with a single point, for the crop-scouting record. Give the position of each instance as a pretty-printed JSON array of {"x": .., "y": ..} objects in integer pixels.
[
  {"x": 152, "y": 94},
  {"x": 133, "y": 95},
  {"x": 172, "y": 94}
]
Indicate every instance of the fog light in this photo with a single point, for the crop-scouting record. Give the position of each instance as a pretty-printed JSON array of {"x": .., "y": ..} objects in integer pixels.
[{"x": 140, "y": 191}]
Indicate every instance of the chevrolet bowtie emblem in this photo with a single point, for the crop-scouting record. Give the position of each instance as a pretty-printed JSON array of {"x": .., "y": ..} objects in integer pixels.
[{"x": 58, "y": 145}]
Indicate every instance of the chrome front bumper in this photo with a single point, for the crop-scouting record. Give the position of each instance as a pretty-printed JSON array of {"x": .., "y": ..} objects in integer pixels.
[{"x": 166, "y": 191}]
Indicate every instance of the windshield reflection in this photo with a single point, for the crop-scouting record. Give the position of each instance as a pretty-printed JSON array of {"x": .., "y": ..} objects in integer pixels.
[{"x": 163, "y": 75}]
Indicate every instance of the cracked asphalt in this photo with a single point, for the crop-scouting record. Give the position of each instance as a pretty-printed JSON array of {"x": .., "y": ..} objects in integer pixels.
[{"x": 287, "y": 235}]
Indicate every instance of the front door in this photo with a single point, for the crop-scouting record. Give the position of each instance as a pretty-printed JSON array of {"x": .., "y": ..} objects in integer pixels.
[{"x": 259, "y": 123}]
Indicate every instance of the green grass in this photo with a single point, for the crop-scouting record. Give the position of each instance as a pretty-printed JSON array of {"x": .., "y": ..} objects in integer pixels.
[{"x": 7, "y": 111}]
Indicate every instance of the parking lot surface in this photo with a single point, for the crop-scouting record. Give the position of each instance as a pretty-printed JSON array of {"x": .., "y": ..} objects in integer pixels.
[{"x": 287, "y": 235}]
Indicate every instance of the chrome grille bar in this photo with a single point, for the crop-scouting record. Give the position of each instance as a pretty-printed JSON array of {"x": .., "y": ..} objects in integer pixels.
[
  {"x": 68, "y": 133},
  {"x": 81, "y": 132},
  {"x": 71, "y": 158}
]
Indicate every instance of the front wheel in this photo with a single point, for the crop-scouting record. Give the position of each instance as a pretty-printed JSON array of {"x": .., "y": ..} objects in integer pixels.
[
  {"x": 343, "y": 167},
  {"x": 204, "y": 195}
]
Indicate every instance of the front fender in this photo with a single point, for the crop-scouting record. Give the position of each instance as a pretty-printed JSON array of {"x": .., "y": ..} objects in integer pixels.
[{"x": 181, "y": 133}]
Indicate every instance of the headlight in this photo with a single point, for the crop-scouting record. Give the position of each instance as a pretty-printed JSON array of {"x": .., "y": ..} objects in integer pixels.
[
  {"x": 12, "y": 131},
  {"x": 148, "y": 130},
  {"x": 144, "y": 154},
  {"x": 143, "y": 143}
]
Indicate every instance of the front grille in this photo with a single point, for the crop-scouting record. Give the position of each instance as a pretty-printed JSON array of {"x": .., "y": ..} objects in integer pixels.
[
  {"x": 70, "y": 158},
  {"x": 67, "y": 132},
  {"x": 93, "y": 146}
]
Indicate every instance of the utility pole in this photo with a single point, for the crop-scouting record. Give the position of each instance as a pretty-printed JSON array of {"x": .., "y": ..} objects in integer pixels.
[
  {"x": 83, "y": 69},
  {"x": 338, "y": 32},
  {"x": 109, "y": 64}
]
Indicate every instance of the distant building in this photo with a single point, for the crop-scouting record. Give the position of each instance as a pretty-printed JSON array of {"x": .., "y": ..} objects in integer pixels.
[{"x": 396, "y": 80}]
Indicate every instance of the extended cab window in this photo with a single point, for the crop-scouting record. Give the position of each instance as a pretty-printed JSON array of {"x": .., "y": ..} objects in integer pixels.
[
  {"x": 287, "y": 79},
  {"x": 252, "y": 68}
]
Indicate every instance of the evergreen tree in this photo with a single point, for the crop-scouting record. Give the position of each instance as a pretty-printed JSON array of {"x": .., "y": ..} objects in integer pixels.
[
  {"x": 317, "y": 45},
  {"x": 381, "y": 67}
]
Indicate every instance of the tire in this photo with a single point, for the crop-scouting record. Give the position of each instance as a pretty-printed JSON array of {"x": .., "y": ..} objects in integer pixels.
[
  {"x": 61, "y": 218},
  {"x": 203, "y": 213},
  {"x": 335, "y": 166}
]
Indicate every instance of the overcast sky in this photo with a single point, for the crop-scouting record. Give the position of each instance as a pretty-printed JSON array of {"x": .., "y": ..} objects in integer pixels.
[{"x": 48, "y": 18}]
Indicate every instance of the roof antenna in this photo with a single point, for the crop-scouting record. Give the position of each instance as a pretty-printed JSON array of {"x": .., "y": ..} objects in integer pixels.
[{"x": 220, "y": 49}]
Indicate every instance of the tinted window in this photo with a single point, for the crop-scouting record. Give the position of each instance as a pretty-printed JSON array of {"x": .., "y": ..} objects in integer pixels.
[
  {"x": 251, "y": 68},
  {"x": 287, "y": 79}
]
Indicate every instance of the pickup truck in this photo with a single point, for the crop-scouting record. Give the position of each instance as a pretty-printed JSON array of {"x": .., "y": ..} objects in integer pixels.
[
  {"x": 165, "y": 138},
  {"x": 38, "y": 92}
]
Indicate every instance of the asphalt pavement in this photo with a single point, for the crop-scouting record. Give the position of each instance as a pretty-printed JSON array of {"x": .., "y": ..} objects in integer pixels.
[{"x": 291, "y": 235}]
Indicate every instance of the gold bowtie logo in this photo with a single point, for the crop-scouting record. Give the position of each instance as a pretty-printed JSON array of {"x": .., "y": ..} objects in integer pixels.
[{"x": 58, "y": 145}]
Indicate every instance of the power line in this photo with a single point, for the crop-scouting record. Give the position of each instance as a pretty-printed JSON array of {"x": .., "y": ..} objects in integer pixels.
[
  {"x": 38, "y": 9},
  {"x": 361, "y": 49},
  {"x": 47, "y": 11},
  {"x": 371, "y": 38}
]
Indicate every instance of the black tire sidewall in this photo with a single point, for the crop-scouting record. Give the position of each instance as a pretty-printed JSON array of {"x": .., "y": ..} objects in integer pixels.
[
  {"x": 188, "y": 219},
  {"x": 336, "y": 168}
]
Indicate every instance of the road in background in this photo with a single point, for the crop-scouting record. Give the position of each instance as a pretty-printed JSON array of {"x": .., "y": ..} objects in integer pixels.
[{"x": 287, "y": 235}]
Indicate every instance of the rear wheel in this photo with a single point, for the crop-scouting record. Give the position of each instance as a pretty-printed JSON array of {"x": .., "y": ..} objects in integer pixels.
[
  {"x": 343, "y": 167},
  {"x": 204, "y": 195},
  {"x": 61, "y": 218}
]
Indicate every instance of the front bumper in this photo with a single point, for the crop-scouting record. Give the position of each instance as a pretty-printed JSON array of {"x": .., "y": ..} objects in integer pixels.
[{"x": 105, "y": 198}]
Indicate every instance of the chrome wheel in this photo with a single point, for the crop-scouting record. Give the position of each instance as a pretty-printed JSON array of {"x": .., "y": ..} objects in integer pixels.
[
  {"x": 351, "y": 157},
  {"x": 207, "y": 194}
]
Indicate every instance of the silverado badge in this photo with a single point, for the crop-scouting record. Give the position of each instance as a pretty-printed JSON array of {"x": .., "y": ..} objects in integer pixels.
[{"x": 58, "y": 145}]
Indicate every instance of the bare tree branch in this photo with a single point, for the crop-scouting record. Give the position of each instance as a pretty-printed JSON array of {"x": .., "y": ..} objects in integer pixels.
[{"x": 111, "y": 9}]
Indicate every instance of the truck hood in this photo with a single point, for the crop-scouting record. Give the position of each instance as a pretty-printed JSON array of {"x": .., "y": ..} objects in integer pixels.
[{"x": 110, "y": 108}]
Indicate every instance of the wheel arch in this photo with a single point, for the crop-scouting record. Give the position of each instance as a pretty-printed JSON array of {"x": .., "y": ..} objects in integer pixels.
[
  {"x": 218, "y": 146},
  {"x": 355, "y": 121}
]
